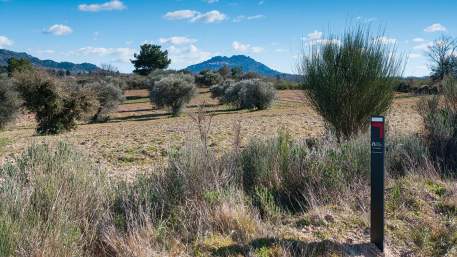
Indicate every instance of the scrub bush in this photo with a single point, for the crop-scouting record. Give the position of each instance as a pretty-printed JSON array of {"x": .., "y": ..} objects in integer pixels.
[
  {"x": 173, "y": 91},
  {"x": 250, "y": 94},
  {"x": 57, "y": 106},
  {"x": 9, "y": 103}
]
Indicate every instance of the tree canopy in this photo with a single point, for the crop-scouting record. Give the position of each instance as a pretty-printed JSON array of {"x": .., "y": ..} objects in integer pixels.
[{"x": 150, "y": 58}]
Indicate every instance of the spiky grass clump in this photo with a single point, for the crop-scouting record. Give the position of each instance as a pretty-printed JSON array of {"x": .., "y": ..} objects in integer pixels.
[{"x": 349, "y": 78}]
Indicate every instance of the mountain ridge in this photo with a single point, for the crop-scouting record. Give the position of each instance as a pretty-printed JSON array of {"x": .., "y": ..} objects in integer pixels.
[
  {"x": 5, "y": 55},
  {"x": 246, "y": 63}
]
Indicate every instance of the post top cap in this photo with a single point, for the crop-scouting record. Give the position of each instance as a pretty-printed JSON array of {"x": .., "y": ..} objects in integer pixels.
[{"x": 377, "y": 118}]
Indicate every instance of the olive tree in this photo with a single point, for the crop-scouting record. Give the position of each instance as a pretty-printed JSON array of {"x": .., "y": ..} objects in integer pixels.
[{"x": 349, "y": 78}]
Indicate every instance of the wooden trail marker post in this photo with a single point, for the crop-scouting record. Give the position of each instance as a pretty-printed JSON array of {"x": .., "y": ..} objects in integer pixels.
[{"x": 377, "y": 181}]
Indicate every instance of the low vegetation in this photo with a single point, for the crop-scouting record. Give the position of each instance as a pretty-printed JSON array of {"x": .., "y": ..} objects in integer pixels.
[
  {"x": 248, "y": 94},
  {"x": 208, "y": 78},
  {"x": 57, "y": 106},
  {"x": 440, "y": 119},
  {"x": 9, "y": 103},
  {"x": 350, "y": 78},
  {"x": 238, "y": 203},
  {"x": 109, "y": 97},
  {"x": 275, "y": 196},
  {"x": 173, "y": 91}
]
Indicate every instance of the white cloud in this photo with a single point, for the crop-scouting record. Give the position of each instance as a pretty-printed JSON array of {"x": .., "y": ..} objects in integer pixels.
[
  {"x": 315, "y": 38},
  {"x": 240, "y": 18},
  {"x": 316, "y": 35},
  {"x": 418, "y": 40},
  {"x": 194, "y": 16},
  {"x": 59, "y": 30},
  {"x": 177, "y": 40},
  {"x": 119, "y": 55},
  {"x": 5, "y": 42},
  {"x": 256, "y": 49},
  {"x": 181, "y": 15},
  {"x": 386, "y": 40},
  {"x": 108, "y": 6},
  {"x": 240, "y": 47},
  {"x": 436, "y": 27},
  {"x": 281, "y": 50},
  {"x": 210, "y": 17},
  {"x": 183, "y": 56}
]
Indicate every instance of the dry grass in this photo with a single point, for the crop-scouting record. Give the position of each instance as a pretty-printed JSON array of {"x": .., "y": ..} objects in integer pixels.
[{"x": 140, "y": 136}]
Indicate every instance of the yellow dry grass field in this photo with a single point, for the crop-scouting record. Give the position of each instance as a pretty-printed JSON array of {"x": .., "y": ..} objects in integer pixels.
[{"x": 139, "y": 136}]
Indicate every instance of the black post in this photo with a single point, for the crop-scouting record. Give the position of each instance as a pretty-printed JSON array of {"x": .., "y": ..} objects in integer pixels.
[{"x": 377, "y": 181}]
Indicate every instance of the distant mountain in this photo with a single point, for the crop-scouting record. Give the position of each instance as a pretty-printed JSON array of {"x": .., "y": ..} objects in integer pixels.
[
  {"x": 246, "y": 63},
  {"x": 5, "y": 55}
]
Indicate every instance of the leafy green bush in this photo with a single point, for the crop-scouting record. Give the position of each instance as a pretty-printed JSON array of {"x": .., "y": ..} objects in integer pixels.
[
  {"x": 9, "y": 103},
  {"x": 57, "y": 106},
  {"x": 208, "y": 78},
  {"x": 350, "y": 78},
  {"x": 250, "y": 94},
  {"x": 173, "y": 91},
  {"x": 109, "y": 97},
  {"x": 218, "y": 91}
]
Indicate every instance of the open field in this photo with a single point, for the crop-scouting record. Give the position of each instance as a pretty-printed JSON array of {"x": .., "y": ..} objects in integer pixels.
[{"x": 139, "y": 136}]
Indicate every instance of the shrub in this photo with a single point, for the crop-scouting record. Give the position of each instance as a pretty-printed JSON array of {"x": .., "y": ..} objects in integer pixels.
[
  {"x": 109, "y": 97},
  {"x": 407, "y": 154},
  {"x": 136, "y": 82},
  {"x": 9, "y": 103},
  {"x": 208, "y": 78},
  {"x": 218, "y": 91},
  {"x": 173, "y": 91},
  {"x": 53, "y": 203},
  {"x": 298, "y": 174},
  {"x": 57, "y": 106},
  {"x": 250, "y": 94},
  {"x": 350, "y": 78},
  {"x": 440, "y": 119},
  {"x": 18, "y": 65},
  {"x": 157, "y": 75},
  {"x": 256, "y": 94}
]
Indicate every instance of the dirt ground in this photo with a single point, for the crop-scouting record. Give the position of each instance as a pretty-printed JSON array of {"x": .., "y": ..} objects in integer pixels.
[{"x": 139, "y": 136}]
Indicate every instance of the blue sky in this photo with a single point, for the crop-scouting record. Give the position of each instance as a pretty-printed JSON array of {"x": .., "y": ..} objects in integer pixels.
[{"x": 271, "y": 31}]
